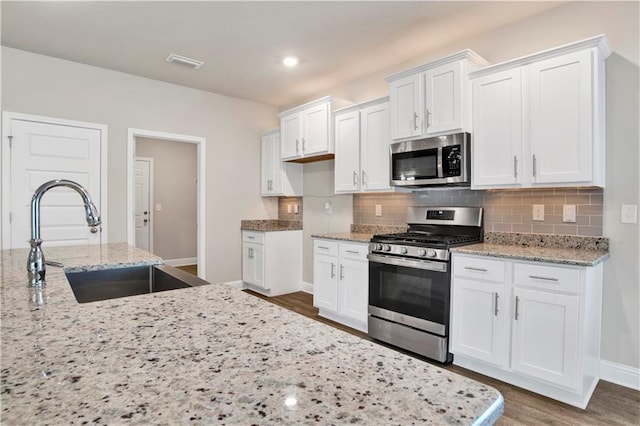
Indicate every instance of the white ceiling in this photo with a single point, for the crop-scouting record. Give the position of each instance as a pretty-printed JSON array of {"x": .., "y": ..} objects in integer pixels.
[{"x": 242, "y": 43}]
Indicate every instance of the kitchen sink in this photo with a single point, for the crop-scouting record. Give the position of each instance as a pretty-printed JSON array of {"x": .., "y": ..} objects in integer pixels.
[{"x": 103, "y": 284}]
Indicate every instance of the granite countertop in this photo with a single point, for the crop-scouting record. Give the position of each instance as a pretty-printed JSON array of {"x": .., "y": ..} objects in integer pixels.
[
  {"x": 355, "y": 237},
  {"x": 203, "y": 355},
  {"x": 560, "y": 249},
  {"x": 271, "y": 225}
]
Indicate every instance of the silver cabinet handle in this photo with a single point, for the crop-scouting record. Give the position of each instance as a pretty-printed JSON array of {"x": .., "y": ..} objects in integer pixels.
[
  {"x": 323, "y": 247},
  {"x": 536, "y": 277},
  {"x": 364, "y": 178},
  {"x": 342, "y": 272},
  {"x": 303, "y": 145},
  {"x": 515, "y": 166},
  {"x": 355, "y": 178},
  {"x": 352, "y": 251},
  {"x": 333, "y": 270},
  {"x": 495, "y": 306},
  {"x": 249, "y": 253},
  {"x": 535, "y": 165},
  {"x": 517, "y": 303},
  {"x": 415, "y": 121},
  {"x": 471, "y": 268},
  {"x": 297, "y": 145},
  {"x": 249, "y": 237},
  {"x": 428, "y": 120}
]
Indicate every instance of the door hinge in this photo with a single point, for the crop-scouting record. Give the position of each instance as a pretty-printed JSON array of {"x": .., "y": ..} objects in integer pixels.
[{"x": 10, "y": 141}]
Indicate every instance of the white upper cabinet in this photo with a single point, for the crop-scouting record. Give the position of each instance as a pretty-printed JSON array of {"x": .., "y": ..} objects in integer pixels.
[
  {"x": 432, "y": 99},
  {"x": 276, "y": 177},
  {"x": 306, "y": 130},
  {"x": 538, "y": 121},
  {"x": 362, "y": 147},
  {"x": 406, "y": 106},
  {"x": 497, "y": 130}
]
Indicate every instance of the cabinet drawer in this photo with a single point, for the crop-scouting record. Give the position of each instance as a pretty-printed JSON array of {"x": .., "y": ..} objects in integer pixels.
[
  {"x": 325, "y": 247},
  {"x": 354, "y": 251},
  {"x": 479, "y": 268},
  {"x": 253, "y": 237},
  {"x": 547, "y": 277}
]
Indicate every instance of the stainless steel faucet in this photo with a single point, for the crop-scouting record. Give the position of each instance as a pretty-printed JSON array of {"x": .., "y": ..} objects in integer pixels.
[{"x": 36, "y": 262}]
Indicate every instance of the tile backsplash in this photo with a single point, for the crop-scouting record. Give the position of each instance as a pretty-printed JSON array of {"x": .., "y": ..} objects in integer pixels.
[
  {"x": 505, "y": 210},
  {"x": 286, "y": 203}
]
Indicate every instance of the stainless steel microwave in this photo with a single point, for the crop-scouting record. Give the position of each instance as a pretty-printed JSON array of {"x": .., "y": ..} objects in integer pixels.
[{"x": 436, "y": 161}]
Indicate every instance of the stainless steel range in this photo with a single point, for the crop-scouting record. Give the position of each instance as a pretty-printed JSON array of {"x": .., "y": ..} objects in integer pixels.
[{"x": 410, "y": 278}]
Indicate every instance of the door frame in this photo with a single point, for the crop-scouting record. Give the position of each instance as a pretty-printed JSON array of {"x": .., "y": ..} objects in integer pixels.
[
  {"x": 200, "y": 142},
  {"x": 7, "y": 119},
  {"x": 151, "y": 209}
]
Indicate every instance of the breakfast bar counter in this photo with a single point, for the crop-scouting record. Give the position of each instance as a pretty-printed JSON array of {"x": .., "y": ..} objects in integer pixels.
[{"x": 203, "y": 355}]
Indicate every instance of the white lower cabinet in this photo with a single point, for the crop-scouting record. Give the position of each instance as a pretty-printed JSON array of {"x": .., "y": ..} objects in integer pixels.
[
  {"x": 341, "y": 281},
  {"x": 535, "y": 325},
  {"x": 272, "y": 261}
]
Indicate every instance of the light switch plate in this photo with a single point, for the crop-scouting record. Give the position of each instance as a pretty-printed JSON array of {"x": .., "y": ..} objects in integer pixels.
[
  {"x": 288, "y": 208},
  {"x": 295, "y": 209},
  {"x": 538, "y": 212},
  {"x": 158, "y": 207},
  {"x": 569, "y": 213},
  {"x": 629, "y": 213}
]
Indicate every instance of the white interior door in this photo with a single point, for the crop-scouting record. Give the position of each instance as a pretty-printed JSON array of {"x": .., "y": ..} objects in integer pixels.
[
  {"x": 40, "y": 152},
  {"x": 144, "y": 232}
]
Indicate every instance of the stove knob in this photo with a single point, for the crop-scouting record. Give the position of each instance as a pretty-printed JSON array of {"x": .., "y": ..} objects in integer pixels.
[
  {"x": 386, "y": 247},
  {"x": 403, "y": 250},
  {"x": 422, "y": 252},
  {"x": 378, "y": 247},
  {"x": 431, "y": 253}
]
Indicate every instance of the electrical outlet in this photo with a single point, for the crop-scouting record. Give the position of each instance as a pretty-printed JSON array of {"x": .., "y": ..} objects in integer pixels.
[
  {"x": 328, "y": 207},
  {"x": 538, "y": 212},
  {"x": 378, "y": 209},
  {"x": 288, "y": 208},
  {"x": 569, "y": 213}
]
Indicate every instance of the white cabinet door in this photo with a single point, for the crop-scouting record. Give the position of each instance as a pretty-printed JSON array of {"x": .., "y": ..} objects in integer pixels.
[
  {"x": 325, "y": 282},
  {"x": 375, "y": 139},
  {"x": 497, "y": 129},
  {"x": 291, "y": 133},
  {"x": 267, "y": 165},
  {"x": 354, "y": 289},
  {"x": 545, "y": 336},
  {"x": 478, "y": 320},
  {"x": 443, "y": 98},
  {"x": 406, "y": 106},
  {"x": 316, "y": 138},
  {"x": 562, "y": 119},
  {"x": 347, "y": 156},
  {"x": 253, "y": 263}
]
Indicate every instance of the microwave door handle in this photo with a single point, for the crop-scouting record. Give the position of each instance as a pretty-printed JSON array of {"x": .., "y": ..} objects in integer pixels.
[{"x": 440, "y": 171}]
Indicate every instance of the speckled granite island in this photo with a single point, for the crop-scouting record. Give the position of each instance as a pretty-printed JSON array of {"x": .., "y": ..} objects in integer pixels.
[{"x": 204, "y": 355}]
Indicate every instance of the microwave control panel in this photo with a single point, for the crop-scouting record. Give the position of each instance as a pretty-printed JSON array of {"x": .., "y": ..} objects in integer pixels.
[{"x": 452, "y": 161}]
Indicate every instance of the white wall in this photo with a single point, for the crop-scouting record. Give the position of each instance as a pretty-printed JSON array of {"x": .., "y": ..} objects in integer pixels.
[
  {"x": 562, "y": 25},
  {"x": 42, "y": 85}
]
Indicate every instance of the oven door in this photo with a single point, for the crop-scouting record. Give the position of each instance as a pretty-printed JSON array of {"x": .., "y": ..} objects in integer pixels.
[{"x": 411, "y": 292}]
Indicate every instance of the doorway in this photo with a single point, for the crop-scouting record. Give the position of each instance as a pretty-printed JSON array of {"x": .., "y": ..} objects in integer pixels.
[
  {"x": 143, "y": 171},
  {"x": 135, "y": 135}
]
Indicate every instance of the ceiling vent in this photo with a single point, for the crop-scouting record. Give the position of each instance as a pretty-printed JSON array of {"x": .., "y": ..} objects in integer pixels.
[{"x": 183, "y": 60}]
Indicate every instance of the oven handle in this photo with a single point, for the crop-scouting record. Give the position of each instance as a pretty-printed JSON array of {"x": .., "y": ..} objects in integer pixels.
[{"x": 401, "y": 261}]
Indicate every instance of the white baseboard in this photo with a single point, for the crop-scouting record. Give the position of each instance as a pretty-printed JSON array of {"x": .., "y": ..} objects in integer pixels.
[
  {"x": 181, "y": 262},
  {"x": 307, "y": 287},
  {"x": 236, "y": 284},
  {"x": 620, "y": 374}
]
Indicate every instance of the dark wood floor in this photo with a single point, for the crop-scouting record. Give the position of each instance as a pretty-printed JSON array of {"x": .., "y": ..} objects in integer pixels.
[{"x": 610, "y": 405}]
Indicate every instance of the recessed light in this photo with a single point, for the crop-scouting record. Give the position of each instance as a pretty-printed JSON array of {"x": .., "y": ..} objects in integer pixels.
[
  {"x": 183, "y": 60},
  {"x": 290, "y": 61}
]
